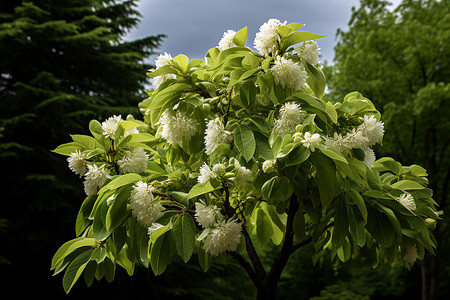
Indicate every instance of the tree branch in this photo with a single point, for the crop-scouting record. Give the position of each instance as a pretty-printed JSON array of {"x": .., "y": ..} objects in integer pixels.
[{"x": 254, "y": 257}]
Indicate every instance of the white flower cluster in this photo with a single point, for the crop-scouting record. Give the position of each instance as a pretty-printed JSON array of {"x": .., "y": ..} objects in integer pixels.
[
  {"x": 309, "y": 52},
  {"x": 289, "y": 73},
  {"x": 242, "y": 175},
  {"x": 407, "y": 200},
  {"x": 267, "y": 38},
  {"x": 224, "y": 236},
  {"x": 143, "y": 204},
  {"x": 290, "y": 116},
  {"x": 77, "y": 163},
  {"x": 95, "y": 177},
  {"x": 219, "y": 235},
  {"x": 215, "y": 134},
  {"x": 109, "y": 126},
  {"x": 311, "y": 141},
  {"x": 177, "y": 127},
  {"x": 227, "y": 40},
  {"x": 363, "y": 137},
  {"x": 134, "y": 161},
  {"x": 162, "y": 60}
]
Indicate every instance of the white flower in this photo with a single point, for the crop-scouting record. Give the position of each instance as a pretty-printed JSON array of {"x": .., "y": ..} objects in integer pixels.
[
  {"x": 227, "y": 40},
  {"x": 337, "y": 141},
  {"x": 309, "y": 51},
  {"x": 356, "y": 139},
  {"x": 143, "y": 204},
  {"x": 410, "y": 254},
  {"x": 290, "y": 116},
  {"x": 372, "y": 129},
  {"x": 268, "y": 166},
  {"x": 267, "y": 37},
  {"x": 407, "y": 200},
  {"x": 242, "y": 175},
  {"x": 207, "y": 215},
  {"x": 311, "y": 141},
  {"x": 95, "y": 177},
  {"x": 77, "y": 163},
  {"x": 226, "y": 236},
  {"x": 369, "y": 157},
  {"x": 215, "y": 134},
  {"x": 205, "y": 174},
  {"x": 153, "y": 227},
  {"x": 289, "y": 73},
  {"x": 109, "y": 126},
  {"x": 177, "y": 127},
  {"x": 134, "y": 161},
  {"x": 163, "y": 60}
]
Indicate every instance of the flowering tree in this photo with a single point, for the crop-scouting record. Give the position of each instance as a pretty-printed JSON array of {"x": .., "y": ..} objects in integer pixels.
[{"x": 239, "y": 151}]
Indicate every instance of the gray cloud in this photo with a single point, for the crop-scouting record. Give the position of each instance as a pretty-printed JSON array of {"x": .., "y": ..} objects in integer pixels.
[{"x": 193, "y": 27}]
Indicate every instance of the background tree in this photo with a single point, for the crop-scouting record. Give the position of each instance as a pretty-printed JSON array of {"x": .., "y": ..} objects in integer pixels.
[
  {"x": 399, "y": 59},
  {"x": 63, "y": 63}
]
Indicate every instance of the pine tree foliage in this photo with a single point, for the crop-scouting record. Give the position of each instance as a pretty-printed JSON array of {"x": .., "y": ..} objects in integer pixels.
[{"x": 62, "y": 63}]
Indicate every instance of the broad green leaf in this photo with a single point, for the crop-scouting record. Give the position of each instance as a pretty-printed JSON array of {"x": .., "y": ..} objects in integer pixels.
[
  {"x": 201, "y": 189},
  {"x": 75, "y": 269},
  {"x": 340, "y": 222},
  {"x": 387, "y": 163},
  {"x": 299, "y": 226},
  {"x": 117, "y": 212},
  {"x": 184, "y": 231},
  {"x": 82, "y": 220},
  {"x": 160, "y": 252},
  {"x": 383, "y": 230},
  {"x": 68, "y": 148},
  {"x": 297, "y": 156},
  {"x": 182, "y": 62},
  {"x": 357, "y": 199},
  {"x": 250, "y": 61},
  {"x": 406, "y": 185},
  {"x": 99, "y": 224},
  {"x": 69, "y": 247},
  {"x": 298, "y": 37},
  {"x": 333, "y": 154},
  {"x": 245, "y": 141},
  {"x": 357, "y": 223},
  {"x": 316, "y": 81},
  {"x": 240, "y": 38},
  {"x": 204, "y": 259},
  {"x": 264, "y": 229},
  {"x": 119, "y": 181}
]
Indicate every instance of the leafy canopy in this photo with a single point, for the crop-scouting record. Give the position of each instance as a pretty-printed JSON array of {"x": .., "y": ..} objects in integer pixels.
[{"x": 241, "y": 147}]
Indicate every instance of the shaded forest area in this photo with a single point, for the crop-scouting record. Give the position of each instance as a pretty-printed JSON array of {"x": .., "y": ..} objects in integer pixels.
[{"x": 65, "y": 63}]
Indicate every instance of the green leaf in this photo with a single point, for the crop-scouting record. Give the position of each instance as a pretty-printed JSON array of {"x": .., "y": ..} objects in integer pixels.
[
  {"x": 75, "y": 269},
  {"x": 117, "y": 212},
  {"x": 298, "y": 37},
  {"x": 204, "y": 259},
  {"x": 297, "y": 156},
  {"x": 406, "y": 185},
  {"x": 82, "y": 220},
  {"x": 264, "y": 229},
  {"x": 240, "y": 38},
  {"x": 354, "y": 196},
  {"x": 99, "y": 224},
  {"x": 383, "y": 231},
  {"x": 334, "y": 155},
  {"x": 184, "y": 231},
  {"x": 316, "y": 81},
  {"x": 182, "y": 62},
  {"x": 119, "y": 181},
  {"x": 245, "y": 141},
  {"x": 299, "y": 226},
  {"x": 68, "y": 148},
  {"x": 160, "y": 253},
  {"x": 201, "y": 189},
  {"x": 250, "y": 61},
  {"x": 69, "y": 247},
  {"x": 340, "y": 222},
  {"x": 357, "y": 223}
]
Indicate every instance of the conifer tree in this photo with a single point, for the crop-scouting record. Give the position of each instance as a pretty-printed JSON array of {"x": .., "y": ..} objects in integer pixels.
[{"x": 62, "y": 63}]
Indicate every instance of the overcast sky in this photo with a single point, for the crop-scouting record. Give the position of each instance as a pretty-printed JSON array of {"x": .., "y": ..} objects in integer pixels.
[{"x": 193, "y": 27}]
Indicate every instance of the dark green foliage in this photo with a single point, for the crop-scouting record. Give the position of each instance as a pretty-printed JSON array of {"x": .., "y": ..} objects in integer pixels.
[
  {"x": 62, "y": 64},
  {"x": 400, "y": 60}
]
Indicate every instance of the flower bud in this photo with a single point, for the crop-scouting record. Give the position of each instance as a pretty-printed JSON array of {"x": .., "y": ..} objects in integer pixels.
[
  {"x": 431, "y": 223},
  {"x": 299, "y": 128},
  {"x": 298, "y": 136},
  {"x": 268, "y": 166},
  {"x": 219, "y": 169}
]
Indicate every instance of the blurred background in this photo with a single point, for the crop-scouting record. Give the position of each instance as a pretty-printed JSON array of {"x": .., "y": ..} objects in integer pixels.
[{"x": 65, "y": 62}]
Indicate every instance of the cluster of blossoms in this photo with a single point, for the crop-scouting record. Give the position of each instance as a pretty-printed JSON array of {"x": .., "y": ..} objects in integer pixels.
[
  {"x": 177, "y": 127},
  {"x": 233, "y": 171},
  {"x": 219, "y": 235},
  {"x": 367, "y": 134},
  {"x": 143, "y": 204},
  {"x": 97, "y": 173}
]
